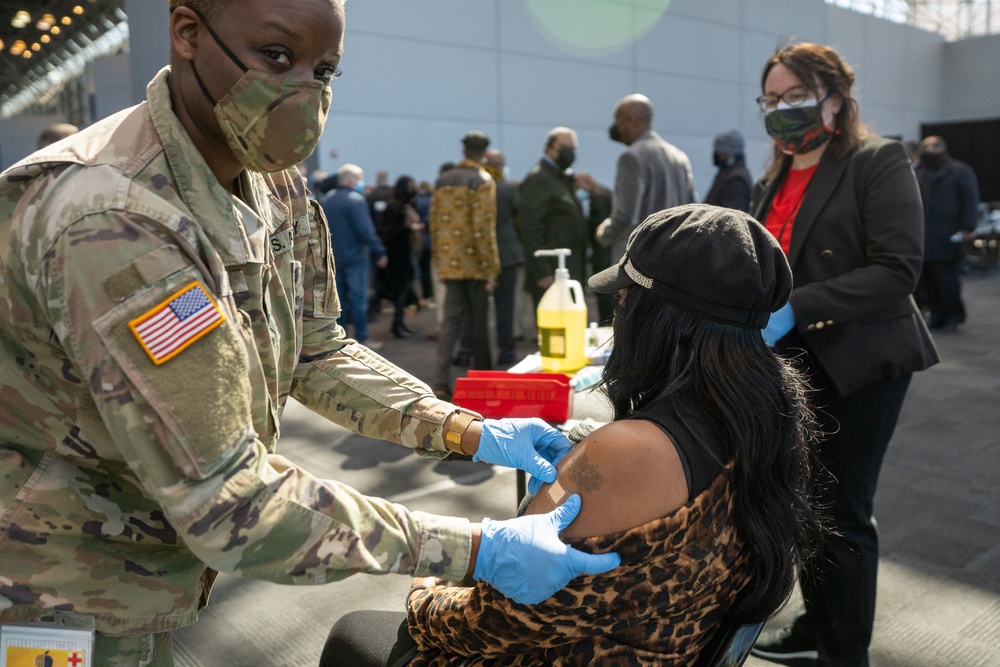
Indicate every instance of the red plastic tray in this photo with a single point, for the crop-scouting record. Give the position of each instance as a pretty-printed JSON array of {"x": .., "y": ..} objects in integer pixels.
[{"x": 497, "y": 394}]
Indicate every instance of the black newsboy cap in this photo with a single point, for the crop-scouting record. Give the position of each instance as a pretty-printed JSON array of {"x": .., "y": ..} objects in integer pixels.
[
  {"x": 716, "y": 262},
  {"x": 476, "y": 140}
]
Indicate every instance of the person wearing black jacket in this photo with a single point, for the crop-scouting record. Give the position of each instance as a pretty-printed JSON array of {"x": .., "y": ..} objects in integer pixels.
[
  {"x": 397, "y": 225},
  {"x": 951, "y": 200},
  {"x": 845, "y": 208},
  {"x": 732, "y": 184},
  {"x": 551, "y": 216}
]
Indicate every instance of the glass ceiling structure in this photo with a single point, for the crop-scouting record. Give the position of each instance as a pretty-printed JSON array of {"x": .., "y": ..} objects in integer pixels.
[
  {"x": 955, "y": 19},
  {"x": 46, "y": 44}
]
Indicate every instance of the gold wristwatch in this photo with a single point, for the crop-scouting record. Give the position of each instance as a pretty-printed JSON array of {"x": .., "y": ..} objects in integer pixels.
[{"x": 460, "y": 421}]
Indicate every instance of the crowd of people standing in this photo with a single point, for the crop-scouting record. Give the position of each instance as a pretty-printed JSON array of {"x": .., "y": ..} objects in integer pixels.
[{"x": 475, "y": 232}]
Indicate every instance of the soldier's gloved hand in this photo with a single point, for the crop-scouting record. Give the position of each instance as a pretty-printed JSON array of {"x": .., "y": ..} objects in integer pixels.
[
  {"x": 781, "y": 322},
  {"x": 524, "y": 558},
  {"x": 530, "y": 445}
]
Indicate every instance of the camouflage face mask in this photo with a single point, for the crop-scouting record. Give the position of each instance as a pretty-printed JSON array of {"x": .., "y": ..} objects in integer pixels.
[
  {"x": 270, "y": 123},
  {"x": 798, "y": 129}
]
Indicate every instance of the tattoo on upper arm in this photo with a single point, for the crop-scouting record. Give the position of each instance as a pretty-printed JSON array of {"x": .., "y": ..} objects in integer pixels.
[{"x": 584, "y": 474}]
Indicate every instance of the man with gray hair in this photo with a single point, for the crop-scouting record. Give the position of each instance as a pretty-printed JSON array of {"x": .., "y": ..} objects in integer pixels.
[
  {"x": 551, "y": 216},
  {"x": 355, "y": 243},
  {"x": 652, "y": 174}
]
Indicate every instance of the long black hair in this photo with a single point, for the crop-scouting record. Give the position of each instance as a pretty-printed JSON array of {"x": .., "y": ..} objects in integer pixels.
[{"x": 728, "y": 388}]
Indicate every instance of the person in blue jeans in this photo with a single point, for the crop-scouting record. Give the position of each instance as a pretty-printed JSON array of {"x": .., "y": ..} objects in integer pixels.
[{"x": 354, "y": 241}]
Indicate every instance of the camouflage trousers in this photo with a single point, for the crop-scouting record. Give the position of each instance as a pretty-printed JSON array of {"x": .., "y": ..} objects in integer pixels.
[{"x": 153, "y": 650}]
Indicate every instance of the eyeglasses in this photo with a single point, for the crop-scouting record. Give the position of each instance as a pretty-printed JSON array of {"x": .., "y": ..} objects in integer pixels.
[{"x": 795, "y": 96}]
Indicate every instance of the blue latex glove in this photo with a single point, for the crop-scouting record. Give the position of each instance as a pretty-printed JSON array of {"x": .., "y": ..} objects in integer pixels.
[
  {"x": 530, "y": 445},
  {"x": 781, "y": 322},
  {"x": 524, "y": 558}
]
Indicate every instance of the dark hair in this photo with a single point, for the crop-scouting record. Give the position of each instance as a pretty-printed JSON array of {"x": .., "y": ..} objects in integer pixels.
[
  {"x": 810, "y": 62},
  {"x": 728, "y": 388},
  {"x": 401, "y": 191}
]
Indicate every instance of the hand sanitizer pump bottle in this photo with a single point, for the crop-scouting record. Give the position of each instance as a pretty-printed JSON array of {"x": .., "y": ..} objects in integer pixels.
[{"x": 562, "y": 320}]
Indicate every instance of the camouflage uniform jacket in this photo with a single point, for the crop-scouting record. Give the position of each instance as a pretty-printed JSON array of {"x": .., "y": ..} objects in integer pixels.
[
  {"x": 463, "y": 224},
  {"x": 124, "y": 483}
]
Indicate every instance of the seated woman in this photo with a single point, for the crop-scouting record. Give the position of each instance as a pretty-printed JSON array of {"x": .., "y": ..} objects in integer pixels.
[{"x": 701, "y": 483}]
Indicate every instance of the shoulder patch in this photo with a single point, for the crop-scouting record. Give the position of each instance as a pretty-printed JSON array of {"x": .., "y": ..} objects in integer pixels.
[{"x": 174, "y": 324}]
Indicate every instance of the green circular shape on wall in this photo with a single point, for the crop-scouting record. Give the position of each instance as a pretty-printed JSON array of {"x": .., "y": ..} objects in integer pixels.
[{"x": 594, "y": 27}]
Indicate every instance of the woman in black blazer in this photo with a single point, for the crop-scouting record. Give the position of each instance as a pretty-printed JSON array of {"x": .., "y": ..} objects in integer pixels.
[{"x": 845, "y": 207}]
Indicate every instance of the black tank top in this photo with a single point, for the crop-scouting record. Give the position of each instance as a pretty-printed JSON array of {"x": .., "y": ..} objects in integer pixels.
[{"x": 702, "y": 461}]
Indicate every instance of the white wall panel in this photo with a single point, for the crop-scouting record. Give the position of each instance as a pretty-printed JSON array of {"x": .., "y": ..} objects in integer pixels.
[
  {"x": 801, "y": 19},
  {"x": 554, "y": 92},
  {"x": 440, "y": 81},
  {"x": 112, "y": 84},
  {"x": 847, "y": 32},
  {"x": 520, "y": 32},
  {"x": 972, "y": 87},
  {"x": 729, "y": 12},
  {"x": 924, "y": 76},
  {"x": 441, "y": 21},
  {"x": 885, "y": 79},
  {"x": 682, "y": 45}
]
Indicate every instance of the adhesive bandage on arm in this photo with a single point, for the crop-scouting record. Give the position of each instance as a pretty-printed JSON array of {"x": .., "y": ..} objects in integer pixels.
[{"x": 557, "y": 494}]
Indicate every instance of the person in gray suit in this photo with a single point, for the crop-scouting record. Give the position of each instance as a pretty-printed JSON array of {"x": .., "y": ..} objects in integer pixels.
[{"x": 652, "y": 174}]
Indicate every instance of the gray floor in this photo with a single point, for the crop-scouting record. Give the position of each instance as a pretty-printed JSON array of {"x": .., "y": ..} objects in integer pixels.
[{"x": 938, "y": 509}]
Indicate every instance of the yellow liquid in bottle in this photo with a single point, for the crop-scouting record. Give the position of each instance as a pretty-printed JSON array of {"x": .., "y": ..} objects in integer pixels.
[{"x": 561, "y": 339}]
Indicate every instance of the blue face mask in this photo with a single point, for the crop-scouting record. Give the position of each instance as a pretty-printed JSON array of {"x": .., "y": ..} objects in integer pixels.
[
  {"x": 360, "y": 187},
  {"x": 582, "y": 195}
]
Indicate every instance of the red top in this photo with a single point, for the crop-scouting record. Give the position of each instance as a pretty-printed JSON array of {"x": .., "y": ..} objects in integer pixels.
[{"x": 787, "y": 200}]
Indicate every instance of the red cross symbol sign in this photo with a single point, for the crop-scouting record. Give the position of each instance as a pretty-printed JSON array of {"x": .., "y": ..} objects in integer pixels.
[{"x": 75, "y": 659}]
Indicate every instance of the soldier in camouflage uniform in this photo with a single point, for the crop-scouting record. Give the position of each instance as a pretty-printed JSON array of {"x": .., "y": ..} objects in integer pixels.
[{"x": 165, "y": 286}]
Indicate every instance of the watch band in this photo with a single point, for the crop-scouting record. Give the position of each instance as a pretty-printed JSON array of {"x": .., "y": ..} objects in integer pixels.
[{"x": 460, "y": 421}]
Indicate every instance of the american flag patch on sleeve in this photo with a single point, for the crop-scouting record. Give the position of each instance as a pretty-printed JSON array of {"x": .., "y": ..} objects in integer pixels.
[{"x": 173, "y": 325}]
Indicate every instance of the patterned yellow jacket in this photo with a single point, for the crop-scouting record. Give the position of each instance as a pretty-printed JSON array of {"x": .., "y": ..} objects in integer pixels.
[
  {"x": 152, "y": 326},
  {"x": 463, "y": 224}
]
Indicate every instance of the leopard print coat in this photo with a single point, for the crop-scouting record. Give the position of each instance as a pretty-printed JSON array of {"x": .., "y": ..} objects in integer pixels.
[{"x": 679, "y": 575}]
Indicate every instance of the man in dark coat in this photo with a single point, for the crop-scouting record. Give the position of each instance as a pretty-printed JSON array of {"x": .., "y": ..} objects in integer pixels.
[
  {"x": 950, "y": 194},
  {"x": 599, "y": 200},
  {"x": 732, "y": 184},
  {"x": 551, "y": 216},
  {"x": 511, "y": 257}
]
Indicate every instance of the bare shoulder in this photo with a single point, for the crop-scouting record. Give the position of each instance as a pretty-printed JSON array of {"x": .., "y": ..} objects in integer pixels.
[{"x": 627, "y": 473}]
